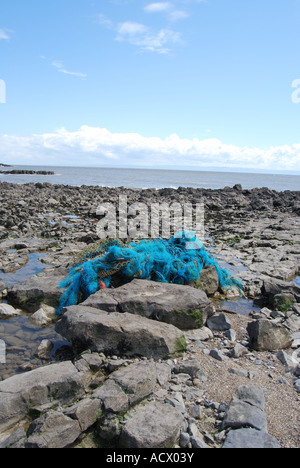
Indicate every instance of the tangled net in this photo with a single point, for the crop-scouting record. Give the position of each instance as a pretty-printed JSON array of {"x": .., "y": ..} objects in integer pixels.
[{"x": 178, "y": 260}]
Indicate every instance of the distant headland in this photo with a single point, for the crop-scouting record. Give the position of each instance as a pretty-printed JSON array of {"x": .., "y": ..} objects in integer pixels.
[{"x": 22, "y": 172}]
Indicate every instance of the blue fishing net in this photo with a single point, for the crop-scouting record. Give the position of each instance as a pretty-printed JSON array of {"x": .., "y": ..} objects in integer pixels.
[{"x": 178, "y": 260}]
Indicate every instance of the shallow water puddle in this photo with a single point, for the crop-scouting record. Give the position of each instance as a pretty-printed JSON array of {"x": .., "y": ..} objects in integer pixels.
[
  {"x": 238, "y": 305},
  {"x": 33, "y": 267},
  {"x": 297, "y": 281},
  {"x": 21, "y": 337}
]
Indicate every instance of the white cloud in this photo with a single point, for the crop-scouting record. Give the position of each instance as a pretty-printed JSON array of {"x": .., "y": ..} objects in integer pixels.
[
  {"x": 158, "y": 7},
  {"x": 4, "y": 35},
  {"x": 173, "y": 14},
  {"x": 147, "y": 39},
  {"x": 61, "y": 69},
  {"x": 93, "y": 145}
]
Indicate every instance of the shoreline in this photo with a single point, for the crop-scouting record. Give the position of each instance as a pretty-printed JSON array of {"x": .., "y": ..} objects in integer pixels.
[{"x": 254, "y": 232}]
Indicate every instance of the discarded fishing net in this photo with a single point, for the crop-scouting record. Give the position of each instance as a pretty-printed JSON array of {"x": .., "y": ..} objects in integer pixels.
[{"x": 178, "y": 260}]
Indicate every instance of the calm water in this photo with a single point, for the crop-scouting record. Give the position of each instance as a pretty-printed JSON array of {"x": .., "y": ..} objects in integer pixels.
[{"x": 150, "y": 178}]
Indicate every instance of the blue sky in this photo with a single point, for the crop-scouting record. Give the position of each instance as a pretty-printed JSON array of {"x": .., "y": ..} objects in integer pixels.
[{"x": 178, "y": 83}]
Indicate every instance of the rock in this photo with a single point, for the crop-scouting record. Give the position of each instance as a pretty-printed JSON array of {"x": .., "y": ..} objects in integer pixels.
[
  {"x": 112, "y": 397},
  {"x": 119, "y": 333},
  {"x": 230, "y": 334},
  {"x": 267, "y": 336},
  {"x": 247, "y": 438},
  {"x": 252, "y": 395},
  {"x": 184, "y": 439},
  {"x": 44, "y": 316},
  {"x": 287, "y": 360},
  {"x": 137, "y": 380},
  {"x": 242, "y": 413},
  {"x": 239, "y": 351},
  {"x": 56, "y": 382},
  {"x": 37, "y": 290},
  {"x": 218, "y": 354},
  {"x": 273, "y": 287},
  {"x": 153, "y": 425},
  {"x": 44, "y": 349},
  {"x": 52, "y": 430},
  {"x": 52, "y": 201},
  {"x": 202, "y": 334},
  {"x": 293, "y": 323},
  {"x": 11, "y": 440},
  {"x": 7, "y": 311},
  {"x": 219, "y": 322},
  {"x": 86, "y": 412},
  {"x": 182, "y": 306},
  {"x": 191, "y": 367},
  {"x": 239, "y": 372},
  {"x": 208, "y": 280}
]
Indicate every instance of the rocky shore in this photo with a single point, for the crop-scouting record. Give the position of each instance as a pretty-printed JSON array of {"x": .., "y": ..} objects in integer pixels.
[{"x": 151, "y": 365}]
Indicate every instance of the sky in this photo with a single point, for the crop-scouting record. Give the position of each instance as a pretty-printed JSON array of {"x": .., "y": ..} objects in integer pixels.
[{"x": 140, "y": 83}]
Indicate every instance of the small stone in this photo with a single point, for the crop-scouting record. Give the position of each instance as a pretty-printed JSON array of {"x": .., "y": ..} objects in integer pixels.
[
  {"x": 218, "y": 354},
  {"x": 219, "y": 322}
]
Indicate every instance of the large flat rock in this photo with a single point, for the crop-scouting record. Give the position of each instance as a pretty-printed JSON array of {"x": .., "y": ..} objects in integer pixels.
[
  {"x": 18, "y": 394},
  {"x": 119, "y": 333},
  {"x": 185, "y": 307}
]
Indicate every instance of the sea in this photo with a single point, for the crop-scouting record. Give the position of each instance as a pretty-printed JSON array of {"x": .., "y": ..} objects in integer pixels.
[{"x": 152, "y": 178}]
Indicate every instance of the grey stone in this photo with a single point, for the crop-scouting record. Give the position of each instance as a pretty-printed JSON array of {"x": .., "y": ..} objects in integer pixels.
[
  {"x": 7, "y": 311},
  {"x": 273, "y": 287},
  {"x": 249, "y": 438},
  {"x": 12, "y": 439},
  {"x": 154, "y": 425},
  {"x": 138, "y": 380},
  {"x": 191, "y": 367},
  {"x": 287, "y": 360},
  {"x": 85, "y": 412},
  {"x": 242, "y": 414},
  {"x": 219, "y": 322},
  {"x": 209, "y": 280},
  {"x": 239, "y": 372},
  {"x": 184, "y": 439},
  {"x": 202, "y": 334},
  {"x": 218, "y": 354},
  {"x": 44, "y": 349},
  {"x": 44, "y": 316},
  {"x": 119, "y": 333},
  {"x": 250, "y": 394},
  {"x": 112, "y": 396},
  {"x": 50, "y": 384},
  {"x": 182, "y": 306},
  {"x": 267, "y": 336},
  {"x": 52, "y": 430},
  {"x": 246, "y": 409},
  {"x": 239, "y": 350},
  {"x": 37, "y": 290},
  {"x": 163, "y": 373}
]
